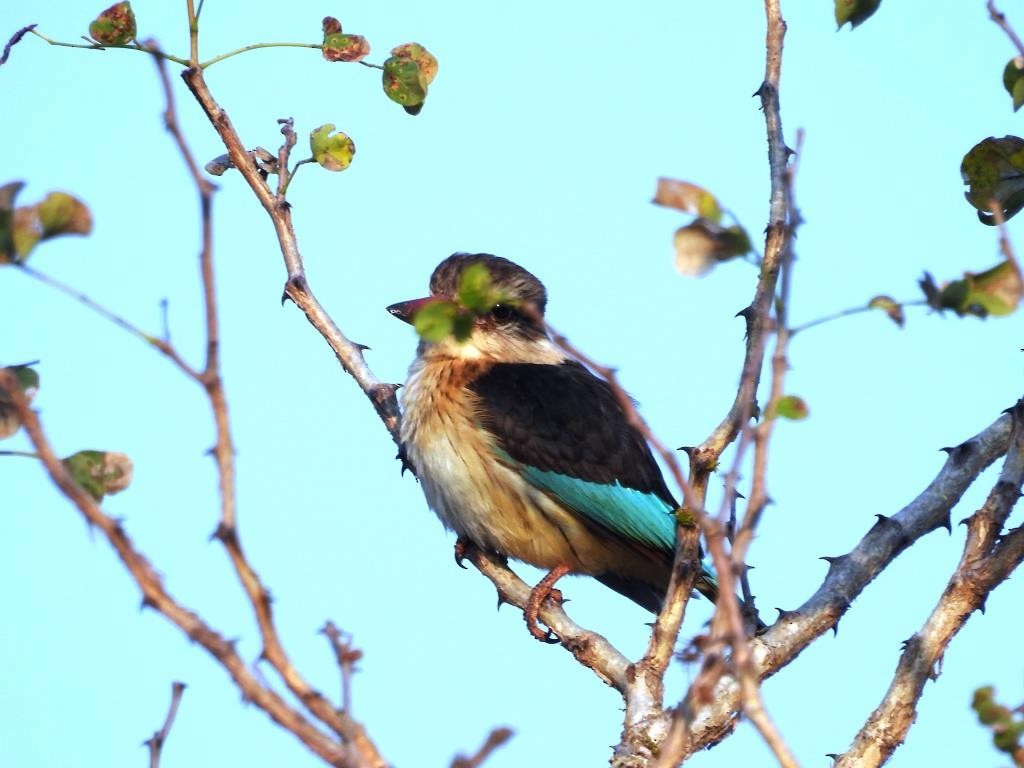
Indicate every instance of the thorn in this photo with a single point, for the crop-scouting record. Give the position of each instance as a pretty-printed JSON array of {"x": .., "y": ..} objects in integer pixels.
[
  {"x": 965, "y": 521},
  {"x": 747, "y": 313},
  {"x": 833, "y": 755},
  {"x": 761, "y": 90},
  {"x": 785, "y": 615},
  {"x": 224, "y": 534},
  {"x": 789, "y": 152},
  {"x": 687, "y": 449},
  {"x": 360, "y": 347},
  {"x": 832, "y": 560},
  {"x": 981, "y": 605},
  {"x": 146, "y": 602},
  {"x": 501, "y": 601},
  {"x": 948, "y": 523},
  {"x": 906, "y": 643},
  {"x": 284, "y": 297}
]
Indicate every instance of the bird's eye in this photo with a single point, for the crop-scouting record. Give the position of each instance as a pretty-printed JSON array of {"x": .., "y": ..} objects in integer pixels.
[{"x": 502, "y": 313}]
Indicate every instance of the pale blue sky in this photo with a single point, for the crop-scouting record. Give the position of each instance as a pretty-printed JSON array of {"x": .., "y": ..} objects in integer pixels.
[{"x": 541, "y": 141}]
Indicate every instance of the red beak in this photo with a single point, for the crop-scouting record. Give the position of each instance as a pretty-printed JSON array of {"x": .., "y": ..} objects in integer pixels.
[{"x": 406, "y": 310}]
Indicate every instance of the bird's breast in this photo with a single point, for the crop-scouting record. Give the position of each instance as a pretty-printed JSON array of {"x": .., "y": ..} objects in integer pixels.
[{"x": 474, "y": 493}]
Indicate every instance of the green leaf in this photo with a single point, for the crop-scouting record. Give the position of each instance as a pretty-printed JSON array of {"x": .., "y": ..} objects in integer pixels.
[
  {"x": 892, "y": 308},
  {"x": 338, "y": 46},
  {"x": 403, "y": 85},
  {"x": 115, "y": 26},
  {"x": 689, "y": 198},
  {"x": 994, "y": 171},
  {"x": 702, "y": 244},
  {"x": 333, "y": 152},
  {"x": 100, "y": 472},
  {"x": 28, "y": 383},
  {"x": 855, "y": 11},
  {"x": 8, "y": 192},
  {"x": 792, "y": 407},
  {"x": 407, "y": 73},
  {"x": 436, "y": 321},
  {"x": 1013, "y": 80},
  {"x": 475, "y": 290},
  {"x": 996, "y": 291}
]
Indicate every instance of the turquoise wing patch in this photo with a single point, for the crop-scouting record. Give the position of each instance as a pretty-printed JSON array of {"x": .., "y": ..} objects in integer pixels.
[{"x": 627, "y": 512}]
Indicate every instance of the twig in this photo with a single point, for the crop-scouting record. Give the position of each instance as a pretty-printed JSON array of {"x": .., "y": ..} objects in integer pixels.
[
  {"x": 346, "y": 655},
  {"x": 154, "y": 595},
  {"x": 349, "y": 353},
  {"x": 227, "y": 531},
  {"x": 495, "y": 739},
  {"x": 93, "y": 46},
  {"x": 254, "y": 47},
  {"x": 22, "y": 454},
  {"x": 794, "y": 330},
  {"x": 15, "y": 39},
  {"x": 162, "y": 345},
  {"x": 989, "y": 557},
  {"x": 847, "y": 577},
  {"x": 157, "y": 740},
  {"x": 1000, "y": 18}
]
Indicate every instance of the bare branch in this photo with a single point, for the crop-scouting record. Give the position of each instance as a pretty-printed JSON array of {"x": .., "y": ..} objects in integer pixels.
[
  {"x": 157, "y": 740},
  {"x": 346, "y": 655},
  {"x": 154, "y": 595},
  {"x": 847, "y": 577},
  {"x": 349, "y": 353},
  {"x": 495, "y": 739},
  {"x": 988, "y": 559}
]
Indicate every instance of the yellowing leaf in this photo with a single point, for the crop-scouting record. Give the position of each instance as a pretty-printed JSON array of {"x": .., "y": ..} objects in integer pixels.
[
  {"x": 338, "y": 46},
  {"x": 63, "y": 214},
  {"x": 687, "y": 197},
  {"x": 332, "y": 151},
  {"x": 855, "y": 11},
  {"x": 115, "y": 26},
  {"x": 892, "y": 308},
  {"x": 792, "y": 407}
]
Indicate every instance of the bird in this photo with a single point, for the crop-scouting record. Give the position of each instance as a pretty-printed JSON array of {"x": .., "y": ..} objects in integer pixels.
[{"x": 522, "y": 451}]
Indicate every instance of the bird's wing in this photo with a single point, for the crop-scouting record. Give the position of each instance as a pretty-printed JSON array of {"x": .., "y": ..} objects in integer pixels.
[{"x": 566, "y": 431}]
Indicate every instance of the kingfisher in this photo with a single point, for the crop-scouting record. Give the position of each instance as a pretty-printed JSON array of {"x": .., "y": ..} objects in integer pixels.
[{"x": 522, "y": 451}]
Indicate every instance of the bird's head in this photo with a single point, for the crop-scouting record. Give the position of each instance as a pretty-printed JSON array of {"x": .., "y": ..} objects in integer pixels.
[{"x": 511, "y": 330}]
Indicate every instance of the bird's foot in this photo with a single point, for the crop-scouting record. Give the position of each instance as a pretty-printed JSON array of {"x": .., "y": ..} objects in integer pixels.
[
  {"x": 545, "y": 588},
  {"x": 460, "y": 550}
]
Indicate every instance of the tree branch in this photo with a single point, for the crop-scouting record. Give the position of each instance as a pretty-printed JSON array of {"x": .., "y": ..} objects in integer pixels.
[
  {"x": 590, "y": 649},
  {"x": 988, "y": 559},
  {"x": 154, "y": 595},
  {"x": 847, "y": 577},
  {"x": 157, "y": 740},
  {"x": 349, "y": 353}
]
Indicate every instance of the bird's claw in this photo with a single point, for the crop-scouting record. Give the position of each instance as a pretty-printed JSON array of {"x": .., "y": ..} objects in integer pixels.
[
  {"x": 460, "y": 551},
  {"x": 545, "y": 589}
]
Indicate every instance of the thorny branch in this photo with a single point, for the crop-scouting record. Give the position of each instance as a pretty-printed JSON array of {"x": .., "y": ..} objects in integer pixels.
[
  {"x": 989, "y": 557},
  {"x": 157, "y": 740},
  {"x": 154, "y": 595},
  {"x": 227, "y": 531}
]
